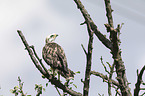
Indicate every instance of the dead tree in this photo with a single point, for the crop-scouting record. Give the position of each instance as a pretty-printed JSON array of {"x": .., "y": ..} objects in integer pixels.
[{"x": 121, "y": 85}]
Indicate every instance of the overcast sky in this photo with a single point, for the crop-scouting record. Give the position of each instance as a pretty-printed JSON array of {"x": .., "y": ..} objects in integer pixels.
[{"x": 39, "y": 18}]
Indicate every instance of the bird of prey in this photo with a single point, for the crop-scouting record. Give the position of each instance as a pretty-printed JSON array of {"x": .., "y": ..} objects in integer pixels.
[{"x": 54, "y": 55}]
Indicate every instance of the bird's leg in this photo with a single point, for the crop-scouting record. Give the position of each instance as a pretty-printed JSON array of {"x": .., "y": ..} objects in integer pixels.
[
  {"x": 67, "y": 82},
  {"x": 53, "y": 72},
  {"x": 58, "y": 76}
]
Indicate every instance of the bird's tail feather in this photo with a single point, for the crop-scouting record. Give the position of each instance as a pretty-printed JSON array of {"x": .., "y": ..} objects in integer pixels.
[{"x": 69, "y": 75}]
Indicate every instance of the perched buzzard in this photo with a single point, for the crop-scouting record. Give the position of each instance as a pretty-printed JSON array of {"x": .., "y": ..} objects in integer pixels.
[{"x": 54, "y": 55}]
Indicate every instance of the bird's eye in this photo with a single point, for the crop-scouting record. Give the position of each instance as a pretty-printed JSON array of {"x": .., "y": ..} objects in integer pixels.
[{"x": 51, "y": 36}]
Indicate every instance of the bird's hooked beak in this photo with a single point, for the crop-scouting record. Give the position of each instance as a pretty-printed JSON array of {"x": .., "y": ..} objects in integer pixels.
[
  {"x": 56, "y": 35},
  {"x": 51, "y": 38}
]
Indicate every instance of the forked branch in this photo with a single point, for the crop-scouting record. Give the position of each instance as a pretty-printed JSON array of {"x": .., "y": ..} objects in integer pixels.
[
  {"x": 116, "y": 52},
  {"x": 89, "y": 62},
  {"x": 105, "y": 77},
  {"x": 139, "y": 81},
  {"x": 88, "y": 20}
]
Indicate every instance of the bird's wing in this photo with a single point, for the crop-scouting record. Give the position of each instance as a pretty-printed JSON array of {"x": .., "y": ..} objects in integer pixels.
[
  {"x": 54, "y": 55},
  {"x": 62, "y": 58}
]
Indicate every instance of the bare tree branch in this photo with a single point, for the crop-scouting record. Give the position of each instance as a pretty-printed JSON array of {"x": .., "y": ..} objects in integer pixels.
[
  {"x": 89, "y": 62},
  {"x": 51, "y": 78},
  {"x": 142, "y": 88},
  {"x": 105, "y": 77},
  {"x": 88, "y": 20},
  {"x": 110, "y": 77},
  {"x": 119, "y": 64},
  {"x": 109, "y": 12},
  {"x": 104, "y": 65},
  {"x": 40, "y": 60},
  {"x": 110, "y": 73},
  {"x": 57, "y": 91},
  {"x": 139, "y": 81},
  {"x": 113, "y": 45},
  {"x": 110, "y": 21},
  {"x": 84, "y": 49}
]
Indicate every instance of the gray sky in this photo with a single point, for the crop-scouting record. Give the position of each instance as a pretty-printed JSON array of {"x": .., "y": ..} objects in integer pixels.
[{"x": 39, "y": 18}]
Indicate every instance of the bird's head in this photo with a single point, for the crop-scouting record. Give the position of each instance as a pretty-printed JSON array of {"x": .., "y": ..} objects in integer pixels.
[{"x": 51, "y": 37}]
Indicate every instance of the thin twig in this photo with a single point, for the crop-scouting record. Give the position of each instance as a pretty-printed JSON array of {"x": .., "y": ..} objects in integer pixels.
[
  {"x": 57, "y": 91},
  {"x": 117, "y": 92},
  {"x": 21, "y": 87},
  {"x": 143, "y": 83},
  {"x": 110, "y": 77},
  {"x": 104, "y": 65},
  {"x": 105, "y": 77},
  {"x": 84, "y": 49},
  {"x": 139, "y": 81}
]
